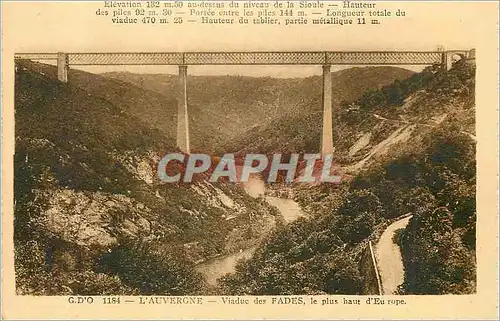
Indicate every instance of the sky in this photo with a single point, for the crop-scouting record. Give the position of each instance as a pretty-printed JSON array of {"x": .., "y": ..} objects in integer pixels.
[
  {"x": 421, "y": 30},
  {"x": 251, "y": 71}
]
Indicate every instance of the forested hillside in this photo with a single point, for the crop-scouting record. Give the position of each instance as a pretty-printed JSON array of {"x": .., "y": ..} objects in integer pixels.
[
  {"x": 362, "y": 122},
  {"x": 90, "y": 212},
  {"x": 430, "y": 174},
  {"x": 91, "y": 216},
  {"x": 227, "y": 110}
]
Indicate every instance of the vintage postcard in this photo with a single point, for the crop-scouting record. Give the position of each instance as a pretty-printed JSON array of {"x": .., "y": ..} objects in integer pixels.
[{"x": 298, "y": 160}]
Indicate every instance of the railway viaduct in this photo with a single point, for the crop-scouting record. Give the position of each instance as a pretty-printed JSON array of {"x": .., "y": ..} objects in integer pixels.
[{"x": 184, "y": 59}]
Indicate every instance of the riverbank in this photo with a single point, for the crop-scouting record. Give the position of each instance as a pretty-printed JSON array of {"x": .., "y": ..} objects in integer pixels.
[{"x": 290, "y": 211}]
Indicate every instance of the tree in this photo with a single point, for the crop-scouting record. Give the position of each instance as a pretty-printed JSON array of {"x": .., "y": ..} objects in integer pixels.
[{"x": 150, "y": 274}]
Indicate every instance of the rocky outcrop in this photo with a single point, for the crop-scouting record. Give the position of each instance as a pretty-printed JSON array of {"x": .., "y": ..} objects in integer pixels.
[{"x": 95, "y": 218}]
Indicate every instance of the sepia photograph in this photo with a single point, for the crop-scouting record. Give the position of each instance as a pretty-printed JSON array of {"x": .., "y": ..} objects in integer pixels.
[
  {"x": 98, "y": 213},
  {"x": 248, "y": 160}
]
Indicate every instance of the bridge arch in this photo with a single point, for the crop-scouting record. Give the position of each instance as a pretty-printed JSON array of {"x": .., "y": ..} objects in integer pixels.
[
  {"x": 457, "y": 56},
  {"x": 454, "y": 56}
]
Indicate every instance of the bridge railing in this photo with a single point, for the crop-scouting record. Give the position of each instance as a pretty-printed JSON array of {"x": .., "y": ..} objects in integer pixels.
[{"x": 246, "y": 58}]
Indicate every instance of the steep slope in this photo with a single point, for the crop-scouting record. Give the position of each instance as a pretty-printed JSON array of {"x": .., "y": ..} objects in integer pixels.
[
  {"x": 300, "y": 129},
  {"x": 430, "y": 175},
  {"x": 89, "y": 210},
  {"x": 154, "y": 109},
  {"x": 222, "y": 108},
  {"x": 374, "y": 121}
]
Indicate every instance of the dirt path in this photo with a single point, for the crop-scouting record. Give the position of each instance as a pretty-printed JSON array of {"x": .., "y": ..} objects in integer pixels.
[{"x": 389, "y": 259}]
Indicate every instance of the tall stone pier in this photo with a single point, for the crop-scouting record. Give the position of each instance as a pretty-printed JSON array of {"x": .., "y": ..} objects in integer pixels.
[
  {"x": 327, "y": 137},
  {"x": 449, "y": 60},
  {"x": 182, "y": 112},
  {"x": 62, "y": 67}
]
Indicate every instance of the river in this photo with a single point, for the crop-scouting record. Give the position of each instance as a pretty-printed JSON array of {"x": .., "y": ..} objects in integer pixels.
[{"x": 290, "y": 210}]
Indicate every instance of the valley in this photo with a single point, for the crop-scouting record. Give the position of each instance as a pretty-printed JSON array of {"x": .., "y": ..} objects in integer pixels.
[
  {"x": 92, "y": 217},
  {"x": 288, "y": 209}
]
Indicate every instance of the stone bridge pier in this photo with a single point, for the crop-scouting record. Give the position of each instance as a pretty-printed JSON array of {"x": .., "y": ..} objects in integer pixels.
[
  {"x": 182, "y": 112},
  {"x": 62, "y": 67},
  {"x": 327, "y": 135},
  {"x": 183, "y": 142}
]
